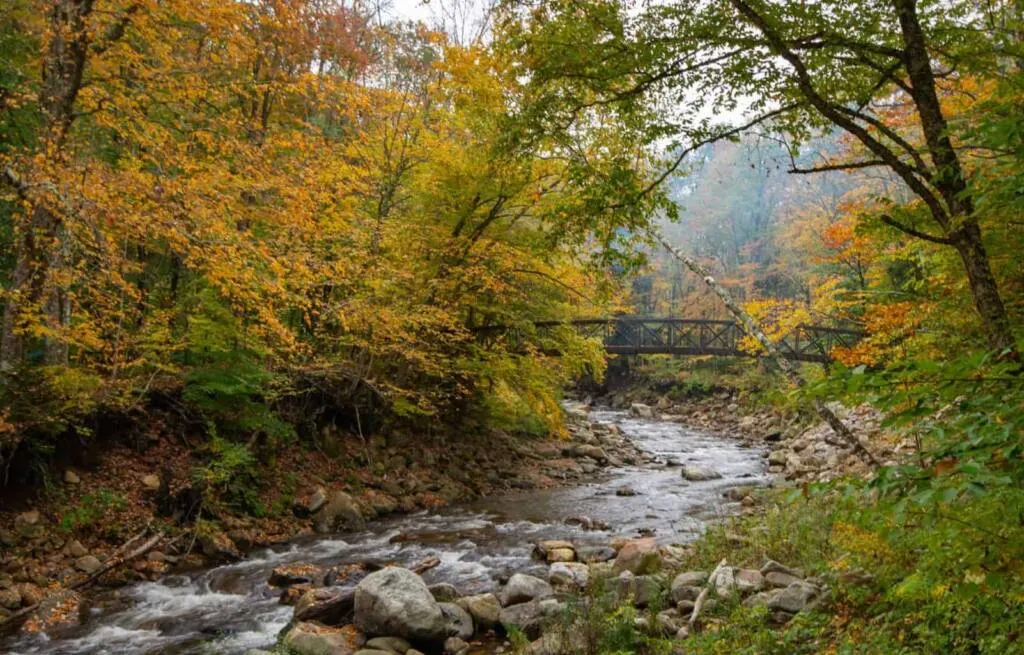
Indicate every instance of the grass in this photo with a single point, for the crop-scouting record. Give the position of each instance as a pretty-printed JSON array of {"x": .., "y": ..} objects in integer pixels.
[{"x": 897, "y": 582}]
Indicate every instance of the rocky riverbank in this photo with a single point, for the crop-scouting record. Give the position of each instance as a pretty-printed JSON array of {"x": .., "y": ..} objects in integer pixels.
[
  {"x": 799, "y": 448},
  {"x": 391, "y": 610},
  {"x": 83, "y": 525}
]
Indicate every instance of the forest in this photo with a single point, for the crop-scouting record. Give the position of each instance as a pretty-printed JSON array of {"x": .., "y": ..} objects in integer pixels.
[{"x": 248, "y": 248}]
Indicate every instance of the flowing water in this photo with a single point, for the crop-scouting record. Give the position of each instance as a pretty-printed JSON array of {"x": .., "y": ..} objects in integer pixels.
[{"x": 229, "y": 609}]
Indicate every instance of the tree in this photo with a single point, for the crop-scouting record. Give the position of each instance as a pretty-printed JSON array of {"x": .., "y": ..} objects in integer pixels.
[{"x": 796, "y": 67}]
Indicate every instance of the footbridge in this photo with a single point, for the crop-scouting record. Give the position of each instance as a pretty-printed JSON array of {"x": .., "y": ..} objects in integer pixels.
[{"x": 632, "y": 335}]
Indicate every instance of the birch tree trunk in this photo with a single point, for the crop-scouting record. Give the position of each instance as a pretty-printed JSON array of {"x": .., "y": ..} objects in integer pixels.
[{"x": 751, "y": 327}]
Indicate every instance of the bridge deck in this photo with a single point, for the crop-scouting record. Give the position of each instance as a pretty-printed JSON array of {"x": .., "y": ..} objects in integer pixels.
[{"x": 684, "y": 336}]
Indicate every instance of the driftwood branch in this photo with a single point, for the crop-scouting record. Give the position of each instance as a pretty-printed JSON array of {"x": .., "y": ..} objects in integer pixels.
[
  {"x": 702, "y": 598},
  {"x": 751, "y": 327},
  {"x": 118, "y": 558}
]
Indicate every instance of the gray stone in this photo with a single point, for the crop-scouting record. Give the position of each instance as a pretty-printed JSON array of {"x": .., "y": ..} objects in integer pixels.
[
  {"x": 699, "y": 473},
  {"x": 571, "y": 575},
  {"x": 341, "y": 513},
  {"x": 88, "y": 564},
  {"x": 641, "y": 410},
  {"x": 522, "y": 588},
  {"x": 459, "y": 621},
  {"x": 687, "y": 579},
  {"x": 793, "y": 598},
  {"x": 444, "y": 592},
  {"x": 749, "y": 581},
  {"x": 638, "y": 556},
  {"x": 760, "y": 599},
  {"x": 454, "y": 645},
  {"x": 526, "y": 617},
  {"x": 685, "y": 592},
  {"x": 484, "y": 608},
  {"x": 316, "y": 500},
  {"x": 669, "y": 621},
  {"x": 724, "y": 582},
  {"x": 76, "y": 549},
  {"x": 314, "y": 639},
  {"x": 70, "y": 477},
  {"x": 326, "y": 606},
  {"x": 595, "y": 554},
  {"x": 778, "y": 579},
  {"x": 396, "y": 602},
  {"x": 771, "y": 566},
  {"x": 395, "y": 645}
]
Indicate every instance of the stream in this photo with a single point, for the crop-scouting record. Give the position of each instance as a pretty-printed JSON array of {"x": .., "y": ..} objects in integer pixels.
[{"x": 229, "y": 609}]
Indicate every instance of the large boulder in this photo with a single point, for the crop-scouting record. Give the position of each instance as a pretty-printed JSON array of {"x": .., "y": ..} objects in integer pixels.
[
  {"x": 522, "y": 588},
  {"x": 315, "y": 639},
  {"x": 396, "y": 602},
  {"x": 638, "y": 556},
  {"x": 341, "y": 513},
  {"x": 484, "y": 608}
]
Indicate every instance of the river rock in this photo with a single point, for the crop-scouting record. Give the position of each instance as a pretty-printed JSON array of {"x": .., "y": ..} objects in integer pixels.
[
  {"x": 594, "y": 452},
  {"x": 394, "y": 645},
  {"x": 326, "y": 606},
  {"x": 396, "y": 602},
  {"x": 640, "y": 590},
  {"x": 595, "y": 554},
  {"x": 793, "y": 598},
  {"x": 760, "y": 599},
  {"x": 780, "y": 580},
  {"x": 460, "y": 622},
  {"x": 10, "y": 599},
  {"x": 340, "y": 513},
  {"x": 76, "y": 549},
  {"x": 70, "y": 477},
  {"x": 88, "y": 564},
  {"x": 626, "y": 491},
  {"x": 641, "y": 410},
  {"x": 443, "y": 592},
  {"x": 749, "y": 581},
  {"x": 317, "y": 499},
  {"x": 314, "y": 639},
  {"x": 522, "y": 588},
  {"x": 526, "y": 617},
  {"x": 771, "y": 566},
  {"x": 484, "y": 608},
  {"x": 638, "y": 556},
  {"x": 670, "y": 621},
  {"x": 724, "y": 582},
  {"x": 700, "y": 473},
  {"x": 571, "y": 575},
  {"x": 59, "y": 610},
  {"x": 290, "y": 574}
]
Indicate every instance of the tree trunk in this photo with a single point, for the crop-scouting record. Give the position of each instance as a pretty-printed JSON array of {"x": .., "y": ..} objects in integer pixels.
[
  {"x": 984, "y": 288},
  {"x": 751, "y": 327},
  {"x": 40, "y": 242}
]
